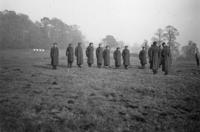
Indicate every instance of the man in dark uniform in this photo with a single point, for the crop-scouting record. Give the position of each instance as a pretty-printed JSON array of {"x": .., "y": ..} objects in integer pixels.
[
  {"x": 79, "y": 55},
  {"x": 149, "y": 55},
  {"x": 126, "y": 57},
  {"x": 159, "y": 56},
  {"x": 197, "y": 56},
  {"x": 142, "y": 57},
  {"x": 54, "y": 54},
  {"x": 117, "y": 57},
  {"x": 154, "y": 54},
  {"x": 70, "y": 55},
  {"x": 166, "y": 58},
  {"x": 106, "y": 56},
  {"x": 99, "y": 55},
  {"x": 90, "y": 54}
]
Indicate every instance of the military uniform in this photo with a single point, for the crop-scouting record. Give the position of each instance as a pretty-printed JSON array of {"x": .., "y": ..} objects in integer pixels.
[
  {"x": 126, "y": 58},
  {"x": 70, "y": 55},
  {"x": 142, "y": 57},
  {"x": 99, "y": 55},
  {"x": 79, "y": 55},
  {"x": 90, "y": 55},
  {"x": 117, "y": 58},
  {"x": 54, "y": 53},
  {"x": 106, "y": 57}
]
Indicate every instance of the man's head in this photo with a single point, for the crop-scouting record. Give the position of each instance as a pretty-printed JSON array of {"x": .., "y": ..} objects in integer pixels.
[
  {"x": 126, "y": 47},
  {"x": 100, "y": 44},
  {"x": 154, "y": 43},
  {"x": 79, "y": 43},
  {"x": 107, "y": 47},
  {"x": 163, "y": 44},
  {"x": 143, "y": 47},
  {"x": 90, "y": 44},
  {"x": 118, "y": 48},
  {"x": 55, "y": 44},
  {"x": 70, "y": 44}
]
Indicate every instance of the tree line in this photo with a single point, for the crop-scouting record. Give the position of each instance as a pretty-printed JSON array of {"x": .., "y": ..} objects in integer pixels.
[{"x": 18, "y": 31}]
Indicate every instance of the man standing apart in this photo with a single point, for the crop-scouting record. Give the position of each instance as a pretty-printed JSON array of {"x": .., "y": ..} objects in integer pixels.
[
  {"x": 166, "y": 56},
  {"x": 149, "y": 55},
  {"x": 106, "y": 56},
  {"x": 117, "y": 57},
  {"x": 142, "y": 57},
  {"x": 90, "y": 54},
  {"x": 99, "y": 55},
  {"x": 197, "y": 55},
  {"x": 54, "y": 53},
  {"x": 154, "y": 57},
  {"x": 79, "y": 55},
  {"x": 126, "y": 57},
  {"x": 70, "y": 55}
]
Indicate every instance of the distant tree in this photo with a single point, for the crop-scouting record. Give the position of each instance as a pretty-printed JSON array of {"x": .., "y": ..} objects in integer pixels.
[
  {"x": 188, "y": 51},
  {"x": 159, "y": 36},
  {"x": 18, "y": 31},
  {"x": 110, "y": 40},
  {"x": 146, "y": 46},
  {"x": 120, "y": 44},
  {"x": 170, "y": 35}
]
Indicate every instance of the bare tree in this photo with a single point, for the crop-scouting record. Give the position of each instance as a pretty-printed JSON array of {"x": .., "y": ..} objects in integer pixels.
[
  {"x": 159, "y": 36},
  {"x": 170, "y": 35}
]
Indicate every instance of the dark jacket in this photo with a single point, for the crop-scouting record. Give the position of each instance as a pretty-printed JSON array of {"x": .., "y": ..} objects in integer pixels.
[
  {"x": 117, "y": 57},
  {"x": 99, "y": 55},
  {"x": 166, "y": 58},
  {"x": 70, "y": 54},
  {"x": 154, "y": 57},
  {"x": 90, "y": 54},
  {"x": 126, "y": 57},
  {"x": 79, "y": 55},
  {"x": 54, "y": 53},
  {"x": 106, "y": 57},
  {"x": 142, "y": 57}
]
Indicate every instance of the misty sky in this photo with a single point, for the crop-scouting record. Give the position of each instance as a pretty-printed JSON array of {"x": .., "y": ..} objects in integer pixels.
[{"x": 129, "y": 20}]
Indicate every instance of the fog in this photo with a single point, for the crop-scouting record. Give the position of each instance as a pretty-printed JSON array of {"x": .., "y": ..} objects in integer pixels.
[{"x": 129, "y": 20}]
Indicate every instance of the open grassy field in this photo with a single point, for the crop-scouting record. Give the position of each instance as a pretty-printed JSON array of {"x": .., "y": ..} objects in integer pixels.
[{"x": 35, "y": 98}]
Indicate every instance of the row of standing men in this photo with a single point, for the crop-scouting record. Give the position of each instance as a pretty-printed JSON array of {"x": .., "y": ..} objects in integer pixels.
[
  {"x": 103, "y": 56},
  {"x": 158, "y": 57}
]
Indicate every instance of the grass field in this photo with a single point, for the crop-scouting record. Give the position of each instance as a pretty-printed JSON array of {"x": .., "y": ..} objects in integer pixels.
[{"x": 35, "y": 98}]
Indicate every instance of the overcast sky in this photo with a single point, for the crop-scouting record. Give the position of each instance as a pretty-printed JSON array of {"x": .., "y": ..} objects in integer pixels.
[{"x": 129, "y": 20}]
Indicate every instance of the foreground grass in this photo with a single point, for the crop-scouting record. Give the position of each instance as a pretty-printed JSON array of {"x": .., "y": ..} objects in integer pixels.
[{"x": 35, "y": 98}]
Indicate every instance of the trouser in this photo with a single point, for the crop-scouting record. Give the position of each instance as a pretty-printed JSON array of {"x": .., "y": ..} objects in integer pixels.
[
  {"x": 70, "y": 64},
  {"x": 99, "y": 65},
  {"x": 79, "y": 65},
  {"x": 54, "y": 66},
  {"x": 166, "y": 72},
  {"x": 126, "y": 66},
  {"x": 143, "y": 66},
  {"x": 197, "y": 60},
  {"x": 117, "y": 66},
  {"x": 89, "y": 64},
  {"x": 151, "y": 65},
  {"x": 155, "y": 71}
]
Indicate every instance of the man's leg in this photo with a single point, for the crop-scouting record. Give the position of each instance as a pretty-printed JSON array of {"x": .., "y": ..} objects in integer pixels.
[
  {"x": 126, "y": 66},
  {"x": 70, "y": 64},
  {"x": 142, "y": 66},
  {"x": 54, "y": 67},
  {"x": 166, "y": 72},
  {"x": 154, "y": 71},
  {"x": 99, "y": 65},
  {"x": 197, "y": 59}
]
